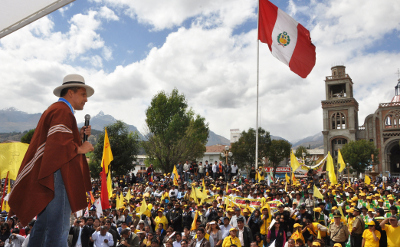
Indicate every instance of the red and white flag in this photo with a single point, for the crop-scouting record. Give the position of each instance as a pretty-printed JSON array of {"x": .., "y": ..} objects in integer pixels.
[{"x": 287, "y": 39}]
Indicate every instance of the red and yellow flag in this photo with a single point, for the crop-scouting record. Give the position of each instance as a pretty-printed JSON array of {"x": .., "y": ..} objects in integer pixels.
[
  {"x": 105, "y": 162},
  {"x": 107, "y": 154}
]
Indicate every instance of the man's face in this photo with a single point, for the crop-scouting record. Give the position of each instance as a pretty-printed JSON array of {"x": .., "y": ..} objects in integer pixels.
[
  {"x": 89, "y": 222},
  {"x": 184, "y": 244},
  {"x": 226, "y": 222},
  {"x": 393, "y": 222},
  {"x": 178, "y": 238},
  {"x": 77, "y": 99},
  {"x": 291, "y": 243},
  {"x": 108, "y": 225},
  {"x": 200, "y": 235},
  {"x": 240, "y": 224},
  {"x": 103, "y": 231}
]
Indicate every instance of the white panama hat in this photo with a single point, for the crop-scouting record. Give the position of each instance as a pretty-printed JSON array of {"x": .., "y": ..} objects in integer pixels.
[{"x": 73, "y": 80}]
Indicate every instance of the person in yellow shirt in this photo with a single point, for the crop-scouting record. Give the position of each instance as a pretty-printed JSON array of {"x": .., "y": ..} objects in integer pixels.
[
  {"x": 297, "y": 232},
  {"x": 371, "y": 236},
  {"x": 231, "y": 239},
  {"x": 265, "y": 221},
  {"x": 392, "y": 231},
  {"x": 160, "y": 218}
]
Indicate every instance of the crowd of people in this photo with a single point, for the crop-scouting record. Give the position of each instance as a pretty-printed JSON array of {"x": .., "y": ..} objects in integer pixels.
[{"x": 349, "y": 214}]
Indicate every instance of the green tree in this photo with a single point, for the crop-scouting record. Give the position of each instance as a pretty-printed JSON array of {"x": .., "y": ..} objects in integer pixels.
[
  {"x": 175, "y": 133},
  {"x": 124, "y": 146},
  {"x": 358, "y": 154},
  {"x": 28, "y": 136},
  {"x": 244, "y": 149},
  {"x": 278, "y": 151}
]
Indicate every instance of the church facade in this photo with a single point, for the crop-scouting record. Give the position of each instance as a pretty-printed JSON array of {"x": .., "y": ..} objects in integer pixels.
[{"x": 341, "y": 125}]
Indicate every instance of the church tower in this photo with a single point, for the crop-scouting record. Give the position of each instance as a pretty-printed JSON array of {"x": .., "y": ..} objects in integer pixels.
[{"x": 340, "y": 111}]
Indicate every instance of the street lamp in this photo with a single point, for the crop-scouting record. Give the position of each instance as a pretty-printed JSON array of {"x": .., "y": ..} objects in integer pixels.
[
  {"x": 226, "y": 154},
  {"x": 304, "y": 155}
]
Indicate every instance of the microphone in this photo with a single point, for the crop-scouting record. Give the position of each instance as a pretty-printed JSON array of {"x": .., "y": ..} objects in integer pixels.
[{"x": 87, "y": 118}]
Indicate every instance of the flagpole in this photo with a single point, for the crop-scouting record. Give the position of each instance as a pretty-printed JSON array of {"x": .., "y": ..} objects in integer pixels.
[{"x": 258, "y": 61}]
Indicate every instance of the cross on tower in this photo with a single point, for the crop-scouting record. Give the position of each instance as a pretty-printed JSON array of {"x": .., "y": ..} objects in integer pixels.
[{"x": 398, "y": 73}]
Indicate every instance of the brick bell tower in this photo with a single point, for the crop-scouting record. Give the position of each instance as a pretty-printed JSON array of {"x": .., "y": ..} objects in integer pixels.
[{"x": 340, "y": 111}]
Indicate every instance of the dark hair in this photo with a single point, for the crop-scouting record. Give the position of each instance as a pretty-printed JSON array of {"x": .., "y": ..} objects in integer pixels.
[
  {"x": 183, "y": 240},
  {"x": 15, "y": 230},
  {"x": 201, "y": 230},
  {"x": 64, "y": 91},
  {"x": 125, "y": 231}
]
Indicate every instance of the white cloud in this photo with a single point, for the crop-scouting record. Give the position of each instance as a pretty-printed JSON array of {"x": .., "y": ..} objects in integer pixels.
[
  {"x": 168, "y": 14},
  {"x": 108, "y": 14}
]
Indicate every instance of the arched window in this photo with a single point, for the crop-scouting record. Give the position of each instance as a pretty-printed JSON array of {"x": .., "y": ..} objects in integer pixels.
[
  {"x": 392, "y": 120},
  {"x": 338, "y": 120}
]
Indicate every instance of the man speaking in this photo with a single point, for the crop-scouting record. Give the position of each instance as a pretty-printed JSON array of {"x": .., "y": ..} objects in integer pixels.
[{"x": 54, "y": 175}]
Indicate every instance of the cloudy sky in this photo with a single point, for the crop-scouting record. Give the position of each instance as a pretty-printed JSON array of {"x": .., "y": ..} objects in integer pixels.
[{"x": 129, "y": 50}]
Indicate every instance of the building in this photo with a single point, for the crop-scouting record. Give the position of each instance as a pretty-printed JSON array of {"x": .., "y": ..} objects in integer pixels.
[
  {"x": 212, "y": 153},
  {"x": 341, "y": 125},
  {"x": 235, "y": 135}
]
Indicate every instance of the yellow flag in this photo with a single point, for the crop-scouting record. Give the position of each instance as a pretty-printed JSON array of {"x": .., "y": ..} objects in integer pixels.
[
  {"x": 176, "y": 176},
  {"x": 227, "y": 187},
  {"x": 11, "y": 156},
  {"x": 5, "y": 206},
  {"x": 256, "y": 177},
  {"x": 193, "y": 194},
  {"x": 109, "y": 185},
  {"x": 367, "y": 180},
  {"x": 341, "y": 213},
  {"x": 319, "y": 234},
  {"x": 383, "y": 185},
  {"x": 107, "y": 154},
  {"x": 287, "y": 178},
  {"x": 128, "y": 195},
  {"x": 294, "y": 163},
  {"x": 120, "y": 201},
  {"x": 341, "y": 162},
  {"x": 317, "y": 193},
  {"x": 331, "y": 169},
  {"x": 205, "y": 195},
  {"x": 194, "y": 226},
  {"x": 143, "y": 207}
]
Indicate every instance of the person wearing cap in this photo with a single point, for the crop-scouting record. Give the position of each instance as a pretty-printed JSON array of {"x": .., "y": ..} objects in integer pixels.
[
  {"x": 392, "y": 231},
  {"x": 283, "y": 217},
  {"x": 54, "y": 175},
  {"x": 297, "y": 232},
  {"x": 371, "y": 236},
  {"x": 337, "y": 231},
  {"x": 235, "y": 217},
  {"x": 232, "y": 239},
  {"x": 176, "y": 217},
  {"x": 160, "y": 218},
  {"x": 358, "y": 227}
]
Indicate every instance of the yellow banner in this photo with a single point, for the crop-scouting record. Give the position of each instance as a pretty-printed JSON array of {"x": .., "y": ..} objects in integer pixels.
[{"x": 11, "y": 156}]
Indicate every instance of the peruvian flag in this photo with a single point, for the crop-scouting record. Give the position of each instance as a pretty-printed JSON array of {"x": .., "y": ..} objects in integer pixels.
[{"x": 287, "y": 39}]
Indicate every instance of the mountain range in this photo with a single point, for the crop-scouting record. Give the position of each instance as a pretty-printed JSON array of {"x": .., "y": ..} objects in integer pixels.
[{"x": 13, "y": 123}]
